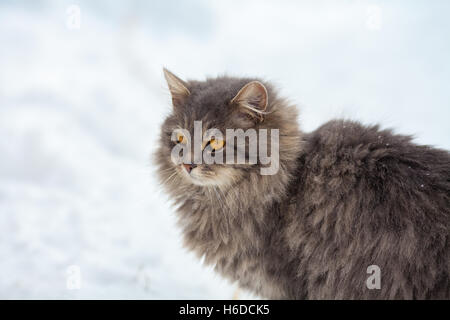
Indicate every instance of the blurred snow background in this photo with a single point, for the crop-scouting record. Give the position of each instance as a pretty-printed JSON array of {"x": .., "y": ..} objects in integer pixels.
[{"x": 80, "y": 110}]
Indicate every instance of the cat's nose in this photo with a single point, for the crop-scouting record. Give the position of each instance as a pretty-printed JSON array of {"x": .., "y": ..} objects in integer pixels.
[{"x": 189, "y": 167}]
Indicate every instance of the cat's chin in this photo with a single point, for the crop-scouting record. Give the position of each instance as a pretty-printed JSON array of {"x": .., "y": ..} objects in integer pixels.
[{"x": 201, "y": 181}]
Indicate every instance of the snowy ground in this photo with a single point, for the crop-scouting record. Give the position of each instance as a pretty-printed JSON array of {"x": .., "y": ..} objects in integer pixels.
[{"x": 80, "y": 111}]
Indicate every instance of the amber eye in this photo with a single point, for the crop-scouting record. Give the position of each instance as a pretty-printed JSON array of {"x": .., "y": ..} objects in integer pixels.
[
  {"x": 181, "y": 138},
  {"x": 216, "y": 144}
]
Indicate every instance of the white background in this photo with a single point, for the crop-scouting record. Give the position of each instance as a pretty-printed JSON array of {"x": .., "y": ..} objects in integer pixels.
[{"x": 80, "y": 110}]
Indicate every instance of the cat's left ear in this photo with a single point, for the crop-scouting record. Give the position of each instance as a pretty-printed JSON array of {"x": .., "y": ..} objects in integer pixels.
[
  {"x": 253, "y": 100},
  {"x": 178, "y": 88}
]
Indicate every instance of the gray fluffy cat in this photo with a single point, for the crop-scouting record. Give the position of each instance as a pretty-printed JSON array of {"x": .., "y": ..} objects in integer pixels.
[{"x": 346, "y": 197}]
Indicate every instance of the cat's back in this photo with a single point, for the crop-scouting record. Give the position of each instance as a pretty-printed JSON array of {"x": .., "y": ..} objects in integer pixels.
[
  {"x": 370, "y": 197},
  {"x": 348, "y": 156}
]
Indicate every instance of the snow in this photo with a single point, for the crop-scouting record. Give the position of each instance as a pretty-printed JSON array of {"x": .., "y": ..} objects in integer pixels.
[{"x": 80, "y": 112}]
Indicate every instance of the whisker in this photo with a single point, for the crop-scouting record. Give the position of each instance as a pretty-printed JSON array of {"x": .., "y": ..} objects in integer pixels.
[{"x": 169, "y": 178}]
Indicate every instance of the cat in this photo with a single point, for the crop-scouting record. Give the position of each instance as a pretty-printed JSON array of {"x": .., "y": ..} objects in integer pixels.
[{"x": 346, "y": 199}]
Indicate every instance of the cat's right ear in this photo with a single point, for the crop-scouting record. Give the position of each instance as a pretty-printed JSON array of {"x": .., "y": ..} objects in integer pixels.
[{"x": 178, "y": 88}]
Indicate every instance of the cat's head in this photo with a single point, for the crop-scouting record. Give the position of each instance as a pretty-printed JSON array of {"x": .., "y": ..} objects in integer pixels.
[{"x": 196, "y": 133}]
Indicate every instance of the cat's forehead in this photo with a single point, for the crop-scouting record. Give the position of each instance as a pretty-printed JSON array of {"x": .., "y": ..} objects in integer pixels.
[
  {"x": 216, "y": 91},
  {"x": 209, "y": 100}
]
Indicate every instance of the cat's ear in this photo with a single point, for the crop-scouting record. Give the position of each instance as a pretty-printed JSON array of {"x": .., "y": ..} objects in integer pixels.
[
  {"x": 178, "y": 88},
  {"x": 252, "y": 99}
]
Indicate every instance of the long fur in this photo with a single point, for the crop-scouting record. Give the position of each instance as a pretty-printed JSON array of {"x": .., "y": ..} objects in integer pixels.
[{"x": 346, "y": 196}]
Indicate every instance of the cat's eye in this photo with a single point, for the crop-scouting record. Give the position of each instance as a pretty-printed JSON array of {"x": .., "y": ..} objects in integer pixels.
[
  {"x": 216, "y": 144},
  {"x": 181, "y": 138}
]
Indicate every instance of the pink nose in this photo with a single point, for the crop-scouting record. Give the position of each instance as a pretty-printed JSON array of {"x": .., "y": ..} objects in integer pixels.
[{"x": 189, "y": 167}]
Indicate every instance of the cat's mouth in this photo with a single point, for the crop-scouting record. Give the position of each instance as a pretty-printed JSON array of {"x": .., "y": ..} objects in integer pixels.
[{"x": 193, "y": 173}]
